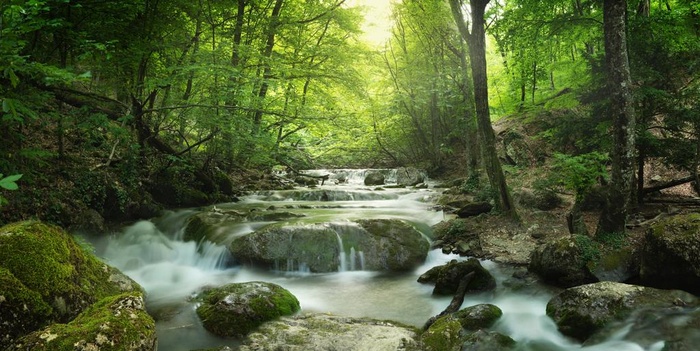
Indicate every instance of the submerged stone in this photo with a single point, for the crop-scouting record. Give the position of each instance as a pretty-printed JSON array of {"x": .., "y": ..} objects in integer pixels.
[{"x": 237, "y": 309}]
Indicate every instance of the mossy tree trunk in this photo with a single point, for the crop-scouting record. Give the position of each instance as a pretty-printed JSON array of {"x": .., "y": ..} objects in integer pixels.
[{"x": 621, "y": 191}]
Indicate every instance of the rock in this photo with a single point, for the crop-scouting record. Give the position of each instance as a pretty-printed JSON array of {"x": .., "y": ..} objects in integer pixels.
[
  {"x": 581, "y": 311},
  {"x": 289, "y": 248},
  {"x": 391, "y": 245},
  {"x": 670, "y": 258},
  {"x": 541, "y": 199},
  {"x": 322, "y": 332},
  {"x": 237, "y": 309},
  {"x": 115, "y": 323},
  {"x": 561, "y": 262},
  {"x": 474, "y": 209},
  {"x": 443, "y": 335},
  {"x": 374, "y": 178},
  {"x": 483, "y": 340},
  {"x": 447, "y": 277},
  {"x": 89, "y": 221},
  {"x": 409, "y": 176},
  {"x": 386, "y": 245},
  {"x": 45, "y": 268},
  {"x": 462, "y": 331},
  {"x": 479, "y": 316},
  {"x": 616, "y": 265}
]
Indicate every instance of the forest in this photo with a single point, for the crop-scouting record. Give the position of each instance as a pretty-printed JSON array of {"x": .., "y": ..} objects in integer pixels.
[{"x": 126, "y": 107}]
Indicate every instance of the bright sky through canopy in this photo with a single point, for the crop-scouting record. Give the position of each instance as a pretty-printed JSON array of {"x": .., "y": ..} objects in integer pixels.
[{"x": 377, "y": 25}]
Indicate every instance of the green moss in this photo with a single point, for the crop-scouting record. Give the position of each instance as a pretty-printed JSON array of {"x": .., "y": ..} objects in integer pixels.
[
  {"x": 47, "y": 260},
  {"x": 21, "y": 309},
  {"x": 443, "y": 335},
  {"x": 237, "y": 309},
  {"x": 115, "y": 323},
  {"x": 478, "y": 316}
]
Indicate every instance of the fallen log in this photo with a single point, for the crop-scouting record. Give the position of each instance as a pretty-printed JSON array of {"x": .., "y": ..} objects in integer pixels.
[{"x": 456, "y": 302}]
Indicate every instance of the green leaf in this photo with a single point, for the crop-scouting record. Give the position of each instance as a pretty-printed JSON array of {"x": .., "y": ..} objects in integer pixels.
[{"x": 9, "y": 182}]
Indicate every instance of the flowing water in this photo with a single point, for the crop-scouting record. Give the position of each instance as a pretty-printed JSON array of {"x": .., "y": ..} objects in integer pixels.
[{"x": 171, "y": 270}]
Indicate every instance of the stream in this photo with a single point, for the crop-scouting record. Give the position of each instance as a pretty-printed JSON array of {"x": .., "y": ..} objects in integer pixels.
[{"x": 171, "y": 270}]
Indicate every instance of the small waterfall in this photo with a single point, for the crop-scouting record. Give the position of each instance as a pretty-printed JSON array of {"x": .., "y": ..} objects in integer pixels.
[
  {"x": 166, "y": 267},
  {"x": 342, "y": 264},
  {"x": 355, "y": 261}
]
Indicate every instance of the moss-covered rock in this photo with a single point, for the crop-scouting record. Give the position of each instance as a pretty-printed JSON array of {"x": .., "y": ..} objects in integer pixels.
[
  {"x": 479, "y": 316},
  {"x": 21, "y": 310},
  {"x": 392, "y": 245},
  {"x": 447, "y": 277},
  {"x": 671, "y": 254},
  {"x": 483, "y": 340},
  {"x": 445, "y": 334},
  {"x": 237, "y": 309},
  {"x": 115, "y": 323},
  {"x": 581, "y": 311},
  {"x": 322, "y": 332},
  {"x": 563, "y": 262},
  {"x": 386, "y": 245},
  {"x": 289, "y": 248},
  {"x": 47, "y": 269}
]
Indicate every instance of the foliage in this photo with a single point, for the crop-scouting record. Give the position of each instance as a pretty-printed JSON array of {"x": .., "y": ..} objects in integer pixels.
[
  {"x": 579, "y": 173},
  {"x": 8, "y": 183}
]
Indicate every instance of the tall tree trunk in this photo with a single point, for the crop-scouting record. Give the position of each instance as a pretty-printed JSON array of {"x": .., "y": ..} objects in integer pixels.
[
  {"x": 267, "y": 55},
  {"x": 621, "y": 190},
  {"x": 477, "y": 54}
]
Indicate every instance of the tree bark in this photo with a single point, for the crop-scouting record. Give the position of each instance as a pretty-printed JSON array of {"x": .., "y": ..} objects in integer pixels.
[
  {"x": 477, "y": 54},
  {"x": 621, "y": 190}
]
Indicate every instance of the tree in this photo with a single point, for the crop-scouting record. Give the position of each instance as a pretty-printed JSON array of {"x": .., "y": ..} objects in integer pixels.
[
  {"x": 477, "y": 53},
  {"x": 619, "y": 197}
]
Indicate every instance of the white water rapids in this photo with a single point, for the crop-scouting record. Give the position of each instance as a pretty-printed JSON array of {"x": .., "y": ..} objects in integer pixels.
[{"x": 171, "y": 270}]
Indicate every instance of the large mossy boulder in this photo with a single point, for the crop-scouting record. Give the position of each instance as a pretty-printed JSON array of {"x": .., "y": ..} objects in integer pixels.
[
  {"x": 382, "y": 244},
  {"x": 479, "y": 316},
  {"x": 115, "y": 323},
  {"x": 563, "y": 262},
  {"x": 670, "y": 258},
  {"x": 289, "y": 248},
  {"x": 581, "y": 311},
  {"x": 237, "y": 309},
  {"x": 448, "y": 276},
  {"x": 47, "y": 277},
  {"x": 322, "y": 332}
]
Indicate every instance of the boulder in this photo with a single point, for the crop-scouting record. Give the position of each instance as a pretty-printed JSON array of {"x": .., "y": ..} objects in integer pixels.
[
  {"x": 237, "y": 309},
  {"x": 382, "y": 244},
  {"x": 42, "y": 267},
  {"x": 670, "y": 258},
  {"x": 479, "y": 316},
  {"x": 444, "y": 335},
  {"x": 289, "y": 248},
  {"x": 447, "y": 277},
  {"x": 562, "y": 262},
  {"x": 581, "y": 311},
  {"x": 463, "y": 331},
  {"x": 374, "y": 178},
  {"x": 474, "y": 209},
  {"x": 115, "y": 323},
  {"x": 409, "y": 176},
  {"x": 321, "y": 332},
  {"x": 483, "y": 340}
]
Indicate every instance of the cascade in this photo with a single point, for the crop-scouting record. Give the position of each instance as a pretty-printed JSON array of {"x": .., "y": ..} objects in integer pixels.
[{"x": 170, "y": 269}]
